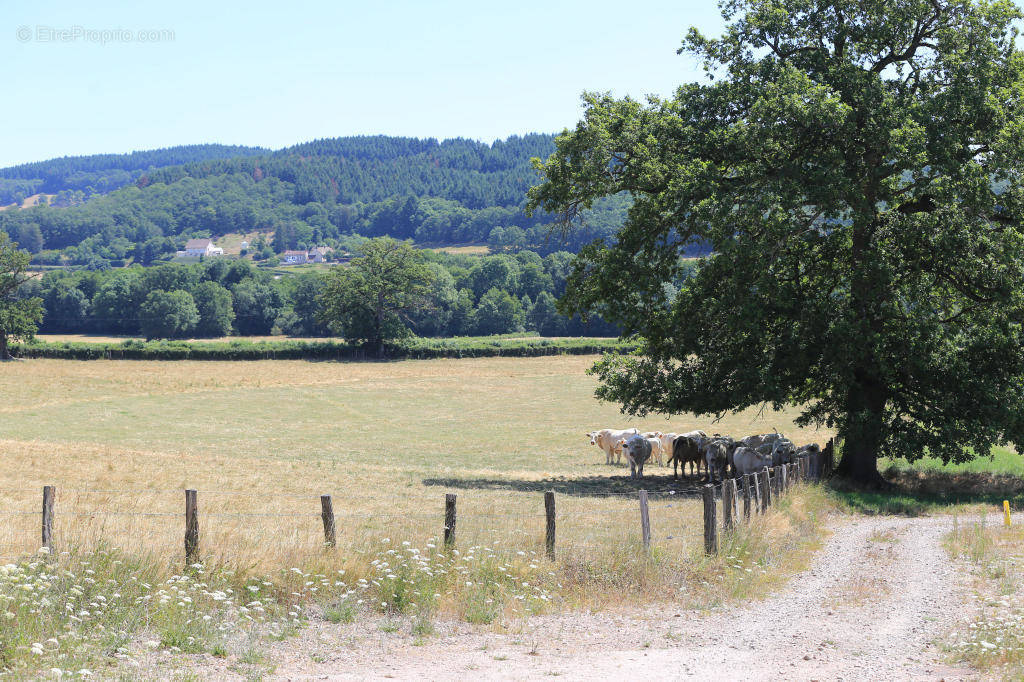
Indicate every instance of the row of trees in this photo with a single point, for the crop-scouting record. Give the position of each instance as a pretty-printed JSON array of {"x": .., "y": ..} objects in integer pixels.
[{"x": 453, "y": 295}]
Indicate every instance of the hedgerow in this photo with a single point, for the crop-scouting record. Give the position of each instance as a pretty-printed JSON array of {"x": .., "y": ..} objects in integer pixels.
[{"x": 417, "y": 348}]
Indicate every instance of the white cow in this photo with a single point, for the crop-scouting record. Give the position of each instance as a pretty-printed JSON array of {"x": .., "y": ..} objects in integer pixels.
[
  {"x": 657, "y": 448},
  {"x": 782, "y": 451},
  {"x": 761, "y": 439},
  {"x": 607, "y": 439},
  {"x": 750, "y": 461},
  {"x": 668, "y": 440},
  {"x": 638, "y": 451}
]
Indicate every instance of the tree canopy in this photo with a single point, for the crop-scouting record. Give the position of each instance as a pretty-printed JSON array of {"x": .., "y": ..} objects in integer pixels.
[
  {"x": 373, "y": 300},
  {"x": 19, "y": 316},
  {"x": 855, "y": 167}
]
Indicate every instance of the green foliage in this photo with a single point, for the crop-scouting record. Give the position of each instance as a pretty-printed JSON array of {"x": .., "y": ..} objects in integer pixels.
[
  {"x": 417, "y": 349},
  {"x": 856, "y": 170},
  {"x": 497, "y": 313},
  {"x": 19, "y": 316},
  {"x": 322, "y": 192},
  {"x": 257, "y": 305},
  {"x": 214, "y": 304},
  {"x": 168, "y": 314},
  {"x": 544, "y": 316},
  {"x": 108, "y": 301},
  {"x": 371, "y": 301},
  {"x": 115, "y": 304},
  {"x": 67, "y": 307}
]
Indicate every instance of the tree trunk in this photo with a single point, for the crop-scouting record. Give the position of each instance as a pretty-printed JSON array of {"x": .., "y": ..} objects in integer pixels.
[
  {"x": 5, "y": 354},
  {"x": 862, "y": 434}
]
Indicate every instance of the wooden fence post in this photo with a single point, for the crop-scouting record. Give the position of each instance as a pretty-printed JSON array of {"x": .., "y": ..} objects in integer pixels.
[
  {"x": 449, "y": 519},
  {"x": 766, "y": 491},
  {"x": 710, "y": 521},
  {"x": 728, "y": 503},
  {"x": 48, "y": 491},
  {"x": 746, "y": 497},
  {"x": 327, "y": 514},
  {"x": 783, "y": 478},
  {"x": 549, "y": 512},
  {"x": 191, "y": 528},
  {"x": 758, "y": 497},
  {"x": 645, "y": 520}
]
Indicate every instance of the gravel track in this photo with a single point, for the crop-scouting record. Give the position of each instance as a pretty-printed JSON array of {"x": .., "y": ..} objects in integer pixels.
[{"x": 875, "y": 599}]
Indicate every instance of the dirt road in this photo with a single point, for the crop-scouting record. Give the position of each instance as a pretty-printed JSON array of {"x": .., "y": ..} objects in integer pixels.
[{"x": 877, "y": 596}]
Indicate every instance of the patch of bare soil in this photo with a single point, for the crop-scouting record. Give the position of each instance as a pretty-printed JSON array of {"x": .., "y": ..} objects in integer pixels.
[{"x": 872, "y": 606}]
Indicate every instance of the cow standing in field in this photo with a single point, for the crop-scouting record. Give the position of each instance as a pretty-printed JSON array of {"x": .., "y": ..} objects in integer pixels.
[
  {"x": 654, "y": 437},
  {"x": 716, "y": 456},
  {"x": 668, "y": 440},
  {"x": 608, "y": 439},
  {"x": 638, "y": 451},
  {"x": 749, "y": 461},
  {"x": 686, "y": 449}
]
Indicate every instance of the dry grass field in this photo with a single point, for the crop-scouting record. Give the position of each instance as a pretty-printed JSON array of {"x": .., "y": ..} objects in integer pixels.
[{"x": 262, "y": 440}]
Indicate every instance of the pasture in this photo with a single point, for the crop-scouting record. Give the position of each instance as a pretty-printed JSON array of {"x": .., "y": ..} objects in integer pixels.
[{"x": 262, "y": 440}]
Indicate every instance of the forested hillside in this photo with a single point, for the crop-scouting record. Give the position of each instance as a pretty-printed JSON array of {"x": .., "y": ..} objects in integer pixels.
[
  {"x": 316, "y": 193},
  {"x": 101, "y": 173}
]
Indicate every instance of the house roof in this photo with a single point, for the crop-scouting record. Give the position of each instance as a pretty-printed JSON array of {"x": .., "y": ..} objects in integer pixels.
[
  {"x": 197, "y": 244},
  {"x": 322, "y": 250},
  {"x": 294, "y": 253}
]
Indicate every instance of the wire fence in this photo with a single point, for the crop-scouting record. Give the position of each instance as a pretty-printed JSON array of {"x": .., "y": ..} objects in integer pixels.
[{"x": 577, "y": 517}]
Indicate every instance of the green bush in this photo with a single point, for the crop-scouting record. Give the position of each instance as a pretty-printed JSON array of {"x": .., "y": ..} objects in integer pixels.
[{"x": 416, "y": 348}]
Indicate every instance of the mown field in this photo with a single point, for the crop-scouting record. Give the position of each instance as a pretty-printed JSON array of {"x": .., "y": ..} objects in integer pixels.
[{"x": 387, "y": 440}]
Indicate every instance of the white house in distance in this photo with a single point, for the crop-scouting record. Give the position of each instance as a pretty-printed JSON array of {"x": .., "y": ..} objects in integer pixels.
[
  {"x": 201, "y": 247},
  {"x": 318, "y": 254}
]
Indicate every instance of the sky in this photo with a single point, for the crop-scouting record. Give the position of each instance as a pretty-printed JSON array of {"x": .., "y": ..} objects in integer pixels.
[{"x": 81, "y": 79}]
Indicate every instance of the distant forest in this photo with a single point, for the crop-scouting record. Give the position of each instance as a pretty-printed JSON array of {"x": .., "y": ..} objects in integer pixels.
[{"x": 113, "y": 210}]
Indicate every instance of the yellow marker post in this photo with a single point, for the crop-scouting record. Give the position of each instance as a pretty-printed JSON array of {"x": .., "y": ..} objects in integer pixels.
[{"x": 1006, "y": 512}]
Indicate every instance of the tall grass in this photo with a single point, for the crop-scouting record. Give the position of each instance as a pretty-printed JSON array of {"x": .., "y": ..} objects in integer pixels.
[
  {"x": 109, "y": 597},
  {"x": 994, "y": 640}
]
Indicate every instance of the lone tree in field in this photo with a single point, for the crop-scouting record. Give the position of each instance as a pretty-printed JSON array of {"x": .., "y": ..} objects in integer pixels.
[
  {"x": 19, "y": 318},
  {"x": 855, "y": 167},
  {"x": 371, "y": 300}
]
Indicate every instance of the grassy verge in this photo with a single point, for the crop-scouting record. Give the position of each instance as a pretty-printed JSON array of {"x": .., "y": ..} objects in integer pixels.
[
  {"x": 104, "y": 610},
  {"x": 994, "y": 641},
  {"x": 463, "y": 347},
  {"x": 921, "y": 492}
]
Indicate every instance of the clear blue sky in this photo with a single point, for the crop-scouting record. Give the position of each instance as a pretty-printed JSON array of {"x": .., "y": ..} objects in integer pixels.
[{"x": 274, "y": 74}]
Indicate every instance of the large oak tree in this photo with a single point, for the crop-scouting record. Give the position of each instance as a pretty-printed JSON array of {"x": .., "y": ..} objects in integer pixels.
[
  {"x": 371, "y": 301},
  {"x": 855, "y": 167},
  {"x": 19, "y": 317}
]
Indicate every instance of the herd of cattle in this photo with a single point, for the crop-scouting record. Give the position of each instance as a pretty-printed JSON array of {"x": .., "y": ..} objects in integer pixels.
[{"x": 719, "y": 454}]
